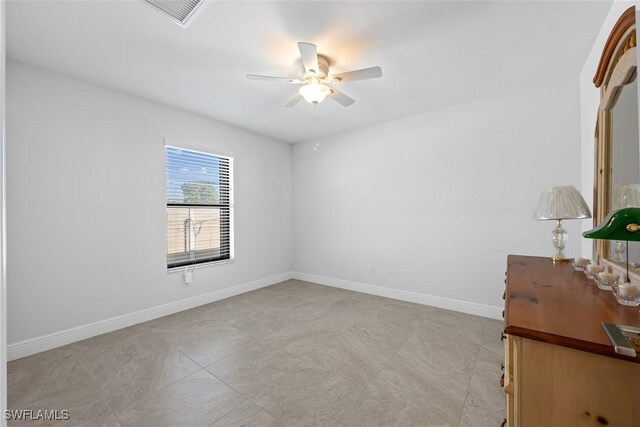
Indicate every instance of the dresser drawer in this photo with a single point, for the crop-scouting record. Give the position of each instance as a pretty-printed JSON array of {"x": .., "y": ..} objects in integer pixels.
[{"x": 509, "y": 375}]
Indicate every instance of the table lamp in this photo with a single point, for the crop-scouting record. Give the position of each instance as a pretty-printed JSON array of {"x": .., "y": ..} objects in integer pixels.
[
  {"x": 623, "y": 224},
  {"x": 560, "y": 203},
  {"x": 624, "y": 196}
]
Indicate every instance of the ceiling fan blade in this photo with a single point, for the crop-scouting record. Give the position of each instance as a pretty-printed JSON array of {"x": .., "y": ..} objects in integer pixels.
[
  {"x": 293, "y": 101},
  {"x": 274, "y": 79},
  {"x": 363, "y": 74},
  {"x": 341, "y": 97},
  {"x": 309, "y": 55}
]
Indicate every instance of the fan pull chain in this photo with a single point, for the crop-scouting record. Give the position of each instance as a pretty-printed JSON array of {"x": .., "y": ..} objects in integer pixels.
[{"x": 316, "y": 146}]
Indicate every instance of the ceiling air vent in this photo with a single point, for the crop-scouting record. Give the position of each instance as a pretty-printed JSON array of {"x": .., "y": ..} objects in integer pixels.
[{"x": 181, "y": 11}]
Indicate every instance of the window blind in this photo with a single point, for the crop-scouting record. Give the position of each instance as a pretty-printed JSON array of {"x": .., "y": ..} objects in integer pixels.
[{"x": 198, "y": 207}]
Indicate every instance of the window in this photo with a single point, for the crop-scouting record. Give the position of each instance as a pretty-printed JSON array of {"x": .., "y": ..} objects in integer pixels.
[{"x": 199, "y": 207}]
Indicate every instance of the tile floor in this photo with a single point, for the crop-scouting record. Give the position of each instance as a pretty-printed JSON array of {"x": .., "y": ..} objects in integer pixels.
[{"x": 291, "y": 354}]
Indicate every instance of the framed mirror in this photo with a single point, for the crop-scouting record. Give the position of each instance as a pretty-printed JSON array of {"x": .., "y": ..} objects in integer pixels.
[{"x": 617, "y": 139}]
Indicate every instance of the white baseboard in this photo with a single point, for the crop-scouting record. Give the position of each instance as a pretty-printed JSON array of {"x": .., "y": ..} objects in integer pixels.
[
  {"x": 418, "y": 298},
  {"x": 68, "y": 336}
]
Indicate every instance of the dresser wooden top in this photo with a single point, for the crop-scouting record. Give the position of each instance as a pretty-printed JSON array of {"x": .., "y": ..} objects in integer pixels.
[{"x": 555, "y": 304}]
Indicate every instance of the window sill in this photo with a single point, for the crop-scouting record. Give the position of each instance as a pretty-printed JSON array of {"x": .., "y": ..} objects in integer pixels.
[{"x": 197, "y": 266}]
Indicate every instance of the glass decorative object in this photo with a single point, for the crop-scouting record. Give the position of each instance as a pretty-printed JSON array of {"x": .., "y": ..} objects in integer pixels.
[
  {"x": 627, "y": 294},
  {"x": 619, "y": 250},
  {"x": 606, "y": 279},
  {"x": 592, "y": 271},
  {"x": 580, "y": 264},
  {"x": 558, "y": 203}
]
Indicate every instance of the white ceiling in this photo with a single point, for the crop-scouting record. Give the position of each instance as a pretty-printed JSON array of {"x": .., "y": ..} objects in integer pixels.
[{"x": 432, "y": 54}]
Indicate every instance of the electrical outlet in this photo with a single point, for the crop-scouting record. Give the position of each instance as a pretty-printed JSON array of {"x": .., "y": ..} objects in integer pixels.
[
  {"x": 188, "y": 277},
  {"x": 371, "y": 269}
]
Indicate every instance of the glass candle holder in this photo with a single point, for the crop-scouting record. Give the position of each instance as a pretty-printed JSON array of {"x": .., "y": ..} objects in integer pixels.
[
  {"x": 593, "y": 270},
  {"x": 605, "y": 280},
  {"x": 579, "y": 264},
  {"x": 627, "y": 294}
]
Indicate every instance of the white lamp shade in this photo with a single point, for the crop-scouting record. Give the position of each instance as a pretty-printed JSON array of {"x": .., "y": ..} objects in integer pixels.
[
  {"x": 314, "y": 93},
  {"x": 626, "y": 196},
  {"x": 562, "y": 203}
]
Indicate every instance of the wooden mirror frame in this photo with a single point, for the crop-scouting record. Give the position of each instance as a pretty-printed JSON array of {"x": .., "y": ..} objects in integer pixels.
[{"x": 617, "y": 68}]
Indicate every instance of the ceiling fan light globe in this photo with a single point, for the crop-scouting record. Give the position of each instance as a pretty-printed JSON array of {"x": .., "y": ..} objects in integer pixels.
[{"x": 314, "y": 93}]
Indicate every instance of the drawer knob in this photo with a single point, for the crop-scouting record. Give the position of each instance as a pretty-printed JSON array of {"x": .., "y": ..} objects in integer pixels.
[
  {"x": 503, "y": 314},
  {"x": 502, "y": 336},
  {"x": 504, "y": 295},
  {"x": 504, "y": 422},
  {"x": 502, "y": 381},
  {"x": 502, "y": 366}
]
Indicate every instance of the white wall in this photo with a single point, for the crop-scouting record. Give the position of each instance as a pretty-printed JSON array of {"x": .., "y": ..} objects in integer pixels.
[
  {"x": 86, "y": 203},
  {"x": 589, "y": 102},
  {"x": 436, "y": 201}
]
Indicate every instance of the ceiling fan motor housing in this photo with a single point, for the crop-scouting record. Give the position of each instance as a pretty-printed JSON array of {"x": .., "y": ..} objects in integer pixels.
[{"x": 323, "y": 64}]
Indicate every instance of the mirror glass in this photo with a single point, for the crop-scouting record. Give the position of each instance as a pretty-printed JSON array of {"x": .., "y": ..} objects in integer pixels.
[{"x": 625, "y": 166}]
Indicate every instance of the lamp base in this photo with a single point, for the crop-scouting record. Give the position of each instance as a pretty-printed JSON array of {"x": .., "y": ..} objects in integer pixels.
[{"x": 559, "y": 236}]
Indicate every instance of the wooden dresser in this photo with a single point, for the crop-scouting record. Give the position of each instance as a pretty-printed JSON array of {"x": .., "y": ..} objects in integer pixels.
[{"x": 560, "y": 369}]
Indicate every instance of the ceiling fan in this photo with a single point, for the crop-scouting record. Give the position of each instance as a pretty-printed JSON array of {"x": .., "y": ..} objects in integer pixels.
[{"x": 317, "y": 82}]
